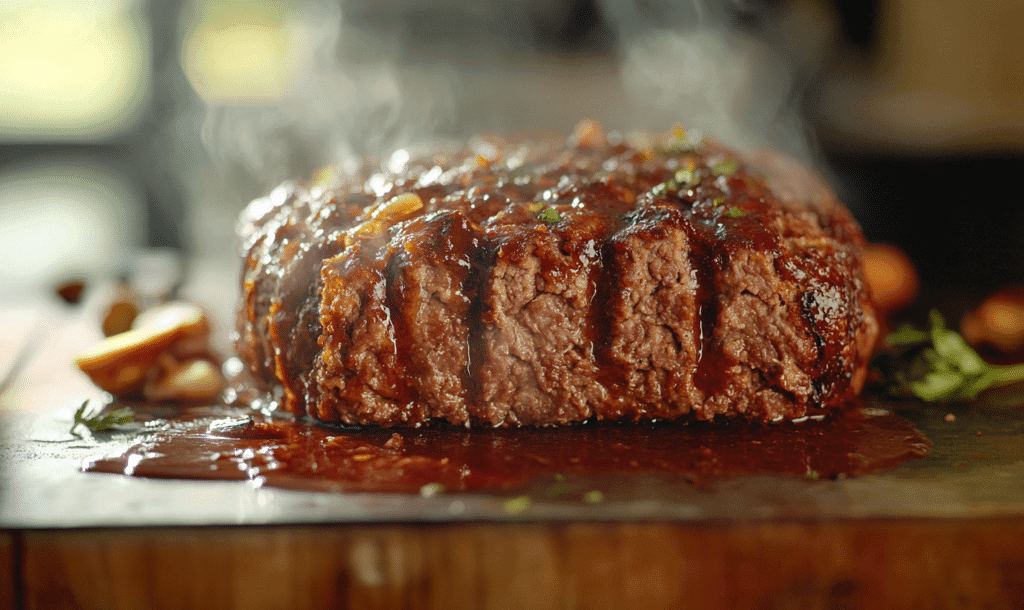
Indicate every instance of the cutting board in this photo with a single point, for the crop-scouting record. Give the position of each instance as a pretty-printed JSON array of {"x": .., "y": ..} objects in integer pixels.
[{"x": 944, "y": 531}]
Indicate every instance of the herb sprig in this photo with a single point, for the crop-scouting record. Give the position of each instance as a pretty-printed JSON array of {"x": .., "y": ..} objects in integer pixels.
[
  {"x": 549, "y": 215},
  {"x": 99, "y": 422},
  {"x": 937, "y": 365}
]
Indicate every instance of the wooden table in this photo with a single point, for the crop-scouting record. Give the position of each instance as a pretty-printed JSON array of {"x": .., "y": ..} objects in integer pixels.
[
  {"x": 943, "y": 532},
  {"x": 844, "y": 564}
]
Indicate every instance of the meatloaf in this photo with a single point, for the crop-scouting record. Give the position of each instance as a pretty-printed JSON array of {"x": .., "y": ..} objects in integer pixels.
[{"x": 514, "y": 282}]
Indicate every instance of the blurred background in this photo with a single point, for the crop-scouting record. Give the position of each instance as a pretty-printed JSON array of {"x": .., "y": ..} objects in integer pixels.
[{"x": 130, "y": 125}]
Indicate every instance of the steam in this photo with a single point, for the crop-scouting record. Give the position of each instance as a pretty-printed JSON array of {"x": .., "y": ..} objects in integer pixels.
[
  {"x": 334, "y": 110},
  {"x": 364, "y": 90},
  {"x": 687, "y": 63}
]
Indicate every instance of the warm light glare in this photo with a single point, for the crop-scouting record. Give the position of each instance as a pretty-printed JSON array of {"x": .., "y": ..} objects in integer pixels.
[
  {"x": 71, "y": 70},
  {"x": 239, "y": 57},
  {"x": 60, "y": 219}
]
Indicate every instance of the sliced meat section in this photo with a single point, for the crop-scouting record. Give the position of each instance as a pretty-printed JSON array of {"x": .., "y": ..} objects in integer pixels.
[{"x": 536, "y": 283}]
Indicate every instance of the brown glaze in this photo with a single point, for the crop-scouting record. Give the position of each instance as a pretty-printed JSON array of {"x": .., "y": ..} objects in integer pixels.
[
  {"x": 200, "y": 444},
  {"x": 350, "y": 325}
]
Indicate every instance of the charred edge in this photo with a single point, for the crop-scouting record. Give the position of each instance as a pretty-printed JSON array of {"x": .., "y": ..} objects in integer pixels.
[
  {"x": 313, "y": 330},
  {"x": 299, "y": 303},
  {"x": 708, "y": 258},
  {"x": 459, "y": 243},
  {"x": 404, "y": 370},
  {"x": 482, "y": 262},
  {"x": 819, "y": 381},
  {"x": 601, "y": 317}
]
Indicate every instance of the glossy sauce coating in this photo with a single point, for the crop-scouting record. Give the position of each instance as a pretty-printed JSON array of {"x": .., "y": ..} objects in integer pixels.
[
  {"x": 557, "y": 281},
  {"x": 235, "y": 444}
]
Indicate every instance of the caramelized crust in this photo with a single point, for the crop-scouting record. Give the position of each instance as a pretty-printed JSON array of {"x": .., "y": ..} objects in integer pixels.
[{"x": 547, "y": 282}]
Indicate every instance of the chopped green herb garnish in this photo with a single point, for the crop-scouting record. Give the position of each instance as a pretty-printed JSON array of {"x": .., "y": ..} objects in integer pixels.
[
  {"x": 725, "y": 168},
  {"x": 516, "y": 505},
  {"x": 718, "y": 201},
  {"x": 550, "y": 215},
  {"x": 535, "y": 207},
  {"x": 735, "y": 212},
  {"x": 593, "y": 497},
  {"x": 99, "y": 422},
  {"x": 812, "y": 474},
  {"x": 679, "y": 143},
  {"x": 558, "y": 488},
  {"x": 937, "y": 365},
  {"x": 687, "y": 178}
]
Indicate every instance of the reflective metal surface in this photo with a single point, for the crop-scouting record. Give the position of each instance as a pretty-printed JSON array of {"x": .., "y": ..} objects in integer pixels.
[{"x": 976, "y": 469}]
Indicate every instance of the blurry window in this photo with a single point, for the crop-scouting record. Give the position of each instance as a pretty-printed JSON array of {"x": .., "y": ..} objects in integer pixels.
[{"x": 72, "y": 70}]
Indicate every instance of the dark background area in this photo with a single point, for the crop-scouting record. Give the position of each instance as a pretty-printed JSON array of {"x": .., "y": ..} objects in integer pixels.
[{"x": 944, "y": 188}]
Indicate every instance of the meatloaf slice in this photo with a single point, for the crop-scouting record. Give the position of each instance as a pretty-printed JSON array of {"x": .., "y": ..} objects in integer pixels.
[{"x": 515, "y": 282}]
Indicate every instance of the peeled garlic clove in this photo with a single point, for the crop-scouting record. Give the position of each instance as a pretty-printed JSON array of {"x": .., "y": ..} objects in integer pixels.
[
  {"x": 118, "y": 364},
  {"x": 192, "y": 380},
  {"x": 190, "y": 319}
]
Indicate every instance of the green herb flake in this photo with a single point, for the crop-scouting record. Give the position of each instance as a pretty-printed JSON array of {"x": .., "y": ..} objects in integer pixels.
[
  {"x": 558, "y": 488},
  {"x": 937, "y": 365},
  {"x": 516, "y": 505},
  {"x": 550, "y": 215},
  {"x": 725, "y": 168},
  {"x": 100, "y": 422},
  {"x": 593, "y": 497},
  {"x": 735, "y": 212},
  {"x": 680, "y": 143},
  {"x": 535, "y": 207},
  {"x": 718, "y": 201},
  {"x": 687, "y": 178},
  {"x": 812, "y": 474}
]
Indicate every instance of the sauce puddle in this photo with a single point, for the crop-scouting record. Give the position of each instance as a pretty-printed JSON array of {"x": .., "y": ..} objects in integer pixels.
[{"x": 230, "y": 443}]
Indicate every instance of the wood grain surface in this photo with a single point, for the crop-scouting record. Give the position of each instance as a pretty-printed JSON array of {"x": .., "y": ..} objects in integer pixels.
[
  {"x": 8, "y": 571},
  {"x": 894, "y": 564}
]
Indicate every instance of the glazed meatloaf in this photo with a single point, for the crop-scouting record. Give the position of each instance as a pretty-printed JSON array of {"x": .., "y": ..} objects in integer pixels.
[{"x": 513, "y": 282}]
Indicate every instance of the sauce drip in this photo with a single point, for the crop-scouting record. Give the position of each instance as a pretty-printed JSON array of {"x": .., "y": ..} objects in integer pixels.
[{"x": 231, "y": 443}]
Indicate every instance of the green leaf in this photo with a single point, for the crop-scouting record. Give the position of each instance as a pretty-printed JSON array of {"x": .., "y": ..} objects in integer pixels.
[
  {"x": 550, "y": 215},
  {"x": 906, "y": 335},
  {"x": 735, "y": 212},
  {"x": 558, "y": 488},
  {"x": 937, "y": 365},
  {"x": 687, "y": 178},
  {"x": 680, "y": 143},
  {"x": 99, "y": 421},
  {"x": 516, "y": 505},
  {"x": 936, "y": 385},
  {"x": 725, "y": 168},
  {"x": 952, "y": 347}
]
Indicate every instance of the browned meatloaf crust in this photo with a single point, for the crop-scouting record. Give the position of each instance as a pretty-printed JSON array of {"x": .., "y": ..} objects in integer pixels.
[{"x": 516, "y": 282}]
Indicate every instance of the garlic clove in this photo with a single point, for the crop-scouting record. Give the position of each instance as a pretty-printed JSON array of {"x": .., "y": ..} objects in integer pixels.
[
  {"x": 118, "y": 364},
  {"x": 192, "y": 380}
]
